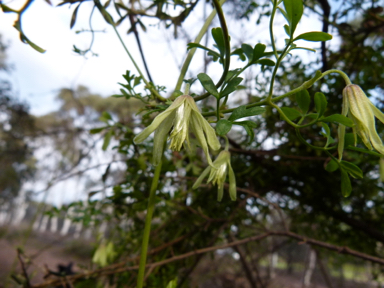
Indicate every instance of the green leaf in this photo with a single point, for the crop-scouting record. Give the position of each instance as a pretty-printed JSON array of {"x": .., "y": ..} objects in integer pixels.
[
  {"x": 312, "y": 116},
  {"x": 6, "y": 9},
  {"x": 291, "y": 113},
  {"x": 107, "y": 139},
  {"x": 97, "y": 130},
  {"x": 346, "y": 187},
  {"x": 223, "y": 126},
  {"x": 231, "y": 73},
  {"x": 352, "y": 169},
  {"x": 197, "y": 45},
  {"x": 349, "y": 140},
  {"x": 303, "y": 48},
  {"x": 33, "y": 45},
  {"x": 286, "y": 29},
  {"x": 327, "y": 134},
  {"x": 242, "y": 111},
  {"x": 218, "y": 36},
  {"x": 284, "y": 14},
  {"x": 247, "y": 128},
  {"x": 338, "y": 118},
  {"x": 74, "y": 15},
  {"x": 239, "y": 52},
  {"x": 326, "y": 129},
  {"x": 248, "y": 51},
  {"x": 311, "y": 81},
  {"x": 231, "y": 86},
  {"x": 137, "y": 81},
  {"x": 349, "y": 147},
  {"x": 314, "y": 36},
  {"x": 251, "y": 124},
  {"x": 267, "y": 62},
  {"x": 320, "y": 103},
  {"x": 303, "y": 99},
  {"x": 106, "y": 173},
  {"x": 106, "y": 116},
  {"x": 294, "y": 9},
  {"x": 172, "y": 283},
  {"x": 208, "y": 84},
  {"x": 332, "y": 166},
  {"x": 258, "y": 52}
]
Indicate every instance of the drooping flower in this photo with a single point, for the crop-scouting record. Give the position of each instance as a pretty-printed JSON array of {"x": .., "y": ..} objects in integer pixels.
[
  {"x": 183, "y": 115},
  {"x": 360, "y": 109},
  {"x": 219, "y": 175}
]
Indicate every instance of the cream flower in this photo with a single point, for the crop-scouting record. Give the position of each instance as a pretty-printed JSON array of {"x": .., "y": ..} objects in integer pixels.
[
  {"x": 360, "y": 109},
  {"x": 219, "y": 175},
  {"x": 182, "y": 115}
]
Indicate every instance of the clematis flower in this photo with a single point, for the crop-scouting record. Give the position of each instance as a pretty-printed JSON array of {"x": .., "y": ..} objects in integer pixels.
[
  {"x": 219, "y": 175},
  {"x": 360, "y": 109},
  {"x": 183, "y": 115}
]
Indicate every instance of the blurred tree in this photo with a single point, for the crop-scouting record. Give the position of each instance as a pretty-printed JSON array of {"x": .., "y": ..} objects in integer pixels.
[{"x": 17, "y": 163}]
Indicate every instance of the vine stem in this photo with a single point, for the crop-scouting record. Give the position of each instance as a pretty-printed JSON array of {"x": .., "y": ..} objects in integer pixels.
[
  {"x": 341, "y": 73},
  {"x": 147, "y": 227},
  {"x": 110, "y": 21},
  {"x": 294, "y": 91},
  {"x": 192, "y": 51},
  {"x": 227, "y": 59},
  {"x": 272, "y": 37}
]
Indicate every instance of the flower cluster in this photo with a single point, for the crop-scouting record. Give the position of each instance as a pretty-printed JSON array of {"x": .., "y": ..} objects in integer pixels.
[
  {"x": 218, "y": 175},
  {"x": 360, "y": 109},
  {"x": 181, "y": 116}
]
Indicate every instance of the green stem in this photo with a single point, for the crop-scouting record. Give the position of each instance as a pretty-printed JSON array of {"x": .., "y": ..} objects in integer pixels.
[
  {"x": 147, "y": 228},
  {"x": 282, "y": 114},
  {"x": 341, "y": 73},
  {"x": 110, "y": 21},
  {"x": 271, "y": 29},
  {"x": 294, "y": 91},
  {"x": 309, "y": 145},
  {"x": 226, "y": 143},
  {"x": 282, "y": 55},
  {"x": 218, "y": 109},
  {"x": 149, "y": 85},
  {"x": 192, "y": 51},
  {"x": 186, "y": 90},
  {"x": 227, "y": 45}
]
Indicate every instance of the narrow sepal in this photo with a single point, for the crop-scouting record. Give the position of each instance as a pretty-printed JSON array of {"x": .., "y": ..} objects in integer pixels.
[
  {"x": 201, "y": 177},
  {"x": 232, "y": 183}
]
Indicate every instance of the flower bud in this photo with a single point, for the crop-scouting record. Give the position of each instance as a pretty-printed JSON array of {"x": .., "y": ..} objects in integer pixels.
[{"x": 360, "y": 109}]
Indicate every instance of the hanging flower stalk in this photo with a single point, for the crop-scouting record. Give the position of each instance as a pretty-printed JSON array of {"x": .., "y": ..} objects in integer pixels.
[
  {"x": 360, "y": 109},
  {"x": 219, "y": 175},
  {"x": 180, "y": 117}
]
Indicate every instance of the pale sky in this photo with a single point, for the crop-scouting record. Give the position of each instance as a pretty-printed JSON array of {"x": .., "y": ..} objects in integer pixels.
[{"x": 37, "y": 77}]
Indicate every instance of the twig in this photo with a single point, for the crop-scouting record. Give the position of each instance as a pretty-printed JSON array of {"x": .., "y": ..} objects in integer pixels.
[
  {"x": 219, "y": 231},
  {"x": 254, "y": 266},
  {"x": 243, "y": 260},
  {"x": 136, "y": 33},
  {"x": 68, "y": 281},
  {"x": 108, "y": 270},
  {"x": 327, "y": 10},
  {"x": 323, "y": 270},
  {"x": 25, "y": 273}
]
